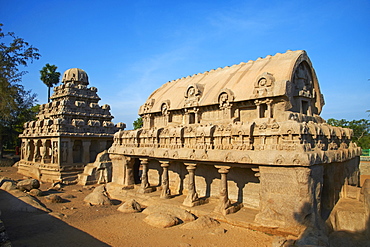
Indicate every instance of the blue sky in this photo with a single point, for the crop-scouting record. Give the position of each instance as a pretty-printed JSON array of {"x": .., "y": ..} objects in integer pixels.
[{"x": 130, "y": 48}]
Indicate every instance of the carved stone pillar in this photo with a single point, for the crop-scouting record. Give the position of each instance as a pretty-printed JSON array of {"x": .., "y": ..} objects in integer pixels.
[
  {"x": 224, "y": 202},
  {"x": 54, "y": 152},
  {"x": 43, "y": 150},
  {"x": 166, "y": 193},
  {"x": 22, "y": 154},
  {"x": 196, "y": 115},
  {"x": 69, "y": 151},
  {"x": 145, "y": 186},
  {"x": 129, "y": 180},
  {"x": 269, "y": 107},
  {"x": 32, "y": 150},
  {"x": 37, "y": 152},
  {"x": 191, "y": 199},
  {"x": 86, "y": 152},
  {"x": 123, "y": 170},
  {"x": 258, "y": 105}
]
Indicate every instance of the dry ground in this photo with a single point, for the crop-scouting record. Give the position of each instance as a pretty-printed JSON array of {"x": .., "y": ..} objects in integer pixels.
[{"x": 76, "y": 224}]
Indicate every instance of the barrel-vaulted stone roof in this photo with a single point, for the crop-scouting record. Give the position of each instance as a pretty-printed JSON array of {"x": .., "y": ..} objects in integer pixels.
[{"x": 239, "y": 80}]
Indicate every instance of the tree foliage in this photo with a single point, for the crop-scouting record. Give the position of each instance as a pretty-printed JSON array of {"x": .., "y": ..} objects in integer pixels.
[
  {"x": 138, "y": 123},
  {"x": 49, "y": 76},
  {"x": 15, "y": 102},
  {"x": 361, "y": 130}
]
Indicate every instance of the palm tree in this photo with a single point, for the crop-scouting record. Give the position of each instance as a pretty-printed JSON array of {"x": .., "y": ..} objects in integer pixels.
[{"x": 49, "y": 76}]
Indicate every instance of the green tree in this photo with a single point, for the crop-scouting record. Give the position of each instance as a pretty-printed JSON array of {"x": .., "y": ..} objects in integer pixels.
[
  {"x": 138, "y": 123},
  {"x": 15, "y": 53},
  {"x": 49, "y": 76},
  {"x": 361, "y": 130}
]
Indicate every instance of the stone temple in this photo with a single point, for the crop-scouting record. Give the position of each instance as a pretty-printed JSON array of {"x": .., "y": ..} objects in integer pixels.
[
  {"x": 69, "y": 131},
  {"x": 250, "y": 135}
]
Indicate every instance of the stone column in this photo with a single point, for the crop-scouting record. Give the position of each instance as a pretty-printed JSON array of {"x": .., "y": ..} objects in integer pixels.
[
  {"x": 191, "y": 199},
  {"x": 55, "y": 151},
  {"x": 43, "y": 150},
  {"x": 36, "y": 152},
  {"x": 166, "y": 193},
  {"x": 69, "y": 151},
  {"x": 86, "y": 151},
  {"x": 33, "y": 149},
  {"x": 269, "y": 107},
  {"x": 144, "y": 187},
  {"x": 224, "y": 202},
  {"x": 258, "y": 104},
  {"x": 129, "y": 180}
]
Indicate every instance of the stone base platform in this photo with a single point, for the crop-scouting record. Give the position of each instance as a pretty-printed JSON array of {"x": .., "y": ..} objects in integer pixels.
[{"x": 50, "y": 173}]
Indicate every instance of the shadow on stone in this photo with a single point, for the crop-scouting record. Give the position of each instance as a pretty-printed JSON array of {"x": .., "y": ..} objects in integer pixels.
[{"x": 116, "y": 202}]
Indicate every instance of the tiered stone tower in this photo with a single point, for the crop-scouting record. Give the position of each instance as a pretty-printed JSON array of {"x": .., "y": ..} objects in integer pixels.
[{"x": 69, "y": 131}]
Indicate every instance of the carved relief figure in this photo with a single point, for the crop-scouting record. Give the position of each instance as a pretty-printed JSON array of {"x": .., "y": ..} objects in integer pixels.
[
  {"x": 55, "y": 153},
  {"x": 23, "y": 150}
]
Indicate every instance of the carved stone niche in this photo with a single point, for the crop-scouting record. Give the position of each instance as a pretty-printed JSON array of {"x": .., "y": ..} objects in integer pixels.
[
  {"x": 302, "y": 80},
  {"x": 192, "y": 95},
  {"x": 165, "y": 107},
  {"x": 166, "y": 116},
  {"x": 225, "y": 97},
  {"x": 263, "y": 85}
]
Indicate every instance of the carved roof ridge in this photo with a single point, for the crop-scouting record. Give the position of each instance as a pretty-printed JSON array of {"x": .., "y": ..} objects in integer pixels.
[{"x": 228, "y": 66}]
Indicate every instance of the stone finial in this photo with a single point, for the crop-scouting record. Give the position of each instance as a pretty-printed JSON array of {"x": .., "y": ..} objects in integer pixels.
[{"x": 75, "y": 75}]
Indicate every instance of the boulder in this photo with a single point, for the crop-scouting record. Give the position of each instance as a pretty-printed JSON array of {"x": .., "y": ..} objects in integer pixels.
[
  {"x": 2, "y": 180},
  {"x": 28, "y": 184},
  {"x": 23, "y": 202},
  {"x": 57, "y": 186},
  {"x": 53, "y": 199},
  {"x": 179, "y": 213},
  {"x": 8, "y": 185},
  {"x": 161, "y": 220},
  {"x": 69, "y": 196},
  {"x": 130, "y": 206},
  {"x": 99, "y": 196},
  {"x": 201, "y": 223},
  {"x": 35, "y": 192}
]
